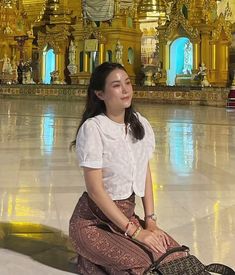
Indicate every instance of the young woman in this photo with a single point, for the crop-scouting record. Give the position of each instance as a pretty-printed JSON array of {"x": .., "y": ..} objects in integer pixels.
[{"x": 114, "y": 145}]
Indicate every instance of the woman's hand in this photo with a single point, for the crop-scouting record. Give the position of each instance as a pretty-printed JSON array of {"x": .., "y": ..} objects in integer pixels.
[{"x": 154, "y": 238}]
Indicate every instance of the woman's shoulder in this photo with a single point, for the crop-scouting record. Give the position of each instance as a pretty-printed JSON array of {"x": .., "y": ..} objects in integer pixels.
[
  {"x": 93, "y": 121},
  {"x": 94, "y": 124},
  {"x": 91, "y": 128}
]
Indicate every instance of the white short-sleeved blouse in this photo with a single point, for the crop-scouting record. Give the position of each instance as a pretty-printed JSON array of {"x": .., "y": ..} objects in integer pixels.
[{"x": 103, "y": 143}]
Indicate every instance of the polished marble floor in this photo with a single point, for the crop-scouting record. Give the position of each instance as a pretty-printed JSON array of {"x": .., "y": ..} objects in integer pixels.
[{"x": 193, "y": 171}]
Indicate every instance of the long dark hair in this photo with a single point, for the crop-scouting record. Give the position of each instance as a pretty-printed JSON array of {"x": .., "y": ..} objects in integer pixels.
[{"x": 95, "y": 106}]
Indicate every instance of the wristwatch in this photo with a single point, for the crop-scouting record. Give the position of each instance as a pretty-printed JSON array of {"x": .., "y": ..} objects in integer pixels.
[{"x": 152, "y": 217}]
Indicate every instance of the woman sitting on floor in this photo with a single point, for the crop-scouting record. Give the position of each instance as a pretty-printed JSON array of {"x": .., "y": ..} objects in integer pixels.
[{"x": 114, "y": 145}]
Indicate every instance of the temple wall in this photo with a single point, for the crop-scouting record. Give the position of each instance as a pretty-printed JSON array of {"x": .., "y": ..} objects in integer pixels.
[
  {"x": 166, "y": 95},
  {"x": 56, "y": 23}
]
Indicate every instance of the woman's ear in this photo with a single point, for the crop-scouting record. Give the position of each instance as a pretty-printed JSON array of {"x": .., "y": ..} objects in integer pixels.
[{"x": 100, "y": 94}]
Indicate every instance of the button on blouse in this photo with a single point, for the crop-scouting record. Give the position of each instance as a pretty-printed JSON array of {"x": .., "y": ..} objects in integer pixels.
[{"x": 105, "y": 144}]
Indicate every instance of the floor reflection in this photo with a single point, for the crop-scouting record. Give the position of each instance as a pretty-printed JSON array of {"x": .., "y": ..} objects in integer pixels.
[
  {"x": 42, "y": 243},
  {"x": 40, "y": 181}
]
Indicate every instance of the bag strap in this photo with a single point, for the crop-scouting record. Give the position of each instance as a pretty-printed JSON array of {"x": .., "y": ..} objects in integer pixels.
[
  {"x": 220, "y": 269},
  {"x": 182, "y": 248}
]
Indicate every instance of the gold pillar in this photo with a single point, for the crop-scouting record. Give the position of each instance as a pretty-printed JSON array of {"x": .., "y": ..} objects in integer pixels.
[
  {"x": 226, "y": 57},
  {"x": 85, "y": 62},
  {"x": 205, "y": 48},
  {"x": 101, "y": 53},
  {"x": 222, "y": 63},
  {"x": 43, "y": 67},
  {"x": 213, "y": 71},
  {"x": 196, "y": 55},
  {"x": 56, "y": 62},
  {"x": 60, "y": 58},
  {"x": 163, "y": 60},
  {"x": 213, "y": 56},
  {"x": 223, "y": 56},
  {"x": 166, "y": 56}
]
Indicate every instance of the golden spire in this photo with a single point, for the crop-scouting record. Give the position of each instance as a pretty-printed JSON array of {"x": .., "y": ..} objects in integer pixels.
[{"x": 54, "y": 12}]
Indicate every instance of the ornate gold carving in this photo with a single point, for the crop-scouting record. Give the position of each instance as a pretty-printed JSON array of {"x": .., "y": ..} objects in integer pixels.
[
  {"x": 178, "y": 20},
  {"x": 96, "y": 33},
  {"x": 221, "y": 25},
  {"x": 55, "y": 37},
  {"x": 208, "y": 11}
]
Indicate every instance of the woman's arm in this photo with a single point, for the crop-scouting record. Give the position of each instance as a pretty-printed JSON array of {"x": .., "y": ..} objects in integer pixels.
[
  {"x": 148, "y": 202},
  {"x": 160, "y": 238},
  {"x": 96, "y": 191}
]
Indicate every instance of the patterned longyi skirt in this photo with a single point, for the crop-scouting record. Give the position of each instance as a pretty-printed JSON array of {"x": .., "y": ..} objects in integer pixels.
[{"x": 102, "y": 248}]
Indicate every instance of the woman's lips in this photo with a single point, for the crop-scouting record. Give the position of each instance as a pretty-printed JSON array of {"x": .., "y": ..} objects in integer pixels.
[{"x": 125, "y": 98}]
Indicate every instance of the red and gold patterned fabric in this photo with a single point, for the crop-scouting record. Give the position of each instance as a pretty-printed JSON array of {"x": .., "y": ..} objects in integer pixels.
[{"x": 102, "y": 248}]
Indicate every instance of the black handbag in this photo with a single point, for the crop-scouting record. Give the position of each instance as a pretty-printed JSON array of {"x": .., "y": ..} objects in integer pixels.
[{"x": 188, "y": 265}]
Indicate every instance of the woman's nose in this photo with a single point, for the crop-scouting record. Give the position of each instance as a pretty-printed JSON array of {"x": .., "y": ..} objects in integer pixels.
[{"x": 124, "y": 89}]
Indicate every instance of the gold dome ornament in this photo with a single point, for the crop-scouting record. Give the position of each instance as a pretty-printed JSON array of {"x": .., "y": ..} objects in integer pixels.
[{"x": 154, "y": 9}]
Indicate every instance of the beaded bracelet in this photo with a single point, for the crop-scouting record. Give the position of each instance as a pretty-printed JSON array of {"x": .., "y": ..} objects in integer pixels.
[
  {"x": 136, "y": 233},
  {"x": 127, "y": 228}
]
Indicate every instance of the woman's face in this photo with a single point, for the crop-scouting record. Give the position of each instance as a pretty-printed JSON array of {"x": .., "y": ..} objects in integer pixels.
[{"x": 117, "y": 94}]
